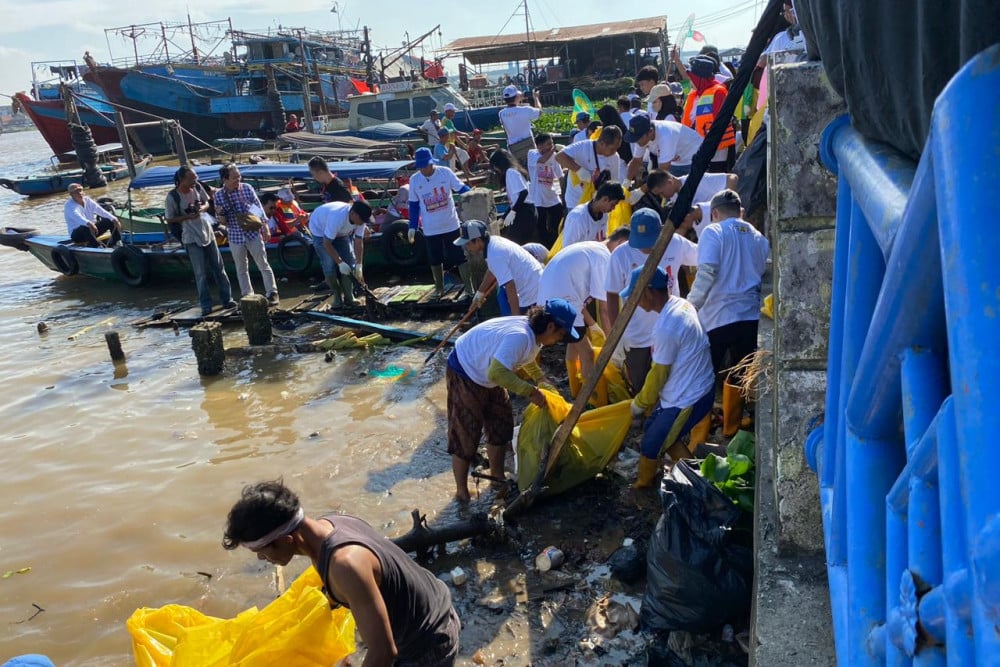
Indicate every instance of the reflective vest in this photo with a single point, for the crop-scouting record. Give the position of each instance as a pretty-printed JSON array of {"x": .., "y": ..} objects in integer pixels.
[{"x": 703, "y": 108}]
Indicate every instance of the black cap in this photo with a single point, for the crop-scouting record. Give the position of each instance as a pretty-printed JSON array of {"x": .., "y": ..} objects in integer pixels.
[
  {"x": 638, "y": 126},
  {"x": 703, "y": 66}
]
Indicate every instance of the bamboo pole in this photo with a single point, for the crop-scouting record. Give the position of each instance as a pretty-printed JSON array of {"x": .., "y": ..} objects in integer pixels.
[{"x": 699, "y": 165}]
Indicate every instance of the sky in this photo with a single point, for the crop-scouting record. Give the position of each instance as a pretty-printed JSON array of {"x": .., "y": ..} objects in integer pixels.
[{"x": 35, "y": 30}]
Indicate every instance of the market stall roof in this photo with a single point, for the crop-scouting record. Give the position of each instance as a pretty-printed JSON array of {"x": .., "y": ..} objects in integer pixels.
[{"x": 505, "y": 48}]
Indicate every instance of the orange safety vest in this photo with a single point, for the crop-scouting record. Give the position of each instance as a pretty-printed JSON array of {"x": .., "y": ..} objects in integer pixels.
[{"x": 704, "y": 113}]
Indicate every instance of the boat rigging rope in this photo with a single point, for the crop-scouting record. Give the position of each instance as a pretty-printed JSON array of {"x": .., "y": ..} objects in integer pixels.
[{"x": 122, "y": 107}]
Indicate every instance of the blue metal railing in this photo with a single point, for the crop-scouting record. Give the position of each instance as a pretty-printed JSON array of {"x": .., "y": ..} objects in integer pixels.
[{"x": 909, "y": 456}]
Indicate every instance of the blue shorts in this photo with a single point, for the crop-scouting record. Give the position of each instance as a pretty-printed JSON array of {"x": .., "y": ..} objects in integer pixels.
[
  {"x": 505, "y": 305},
  {"x": 668, "y": 425}
]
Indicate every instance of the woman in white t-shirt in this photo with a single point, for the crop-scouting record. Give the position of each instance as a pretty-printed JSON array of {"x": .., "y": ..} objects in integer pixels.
[
  {"x": 481, "y": 375},
  {"x": 519, "y": 224},
  {"x": 544, "y": 175}
]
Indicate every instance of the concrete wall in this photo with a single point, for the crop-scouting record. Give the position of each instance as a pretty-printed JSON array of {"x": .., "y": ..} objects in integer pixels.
[{"x": 802, "y": 210}]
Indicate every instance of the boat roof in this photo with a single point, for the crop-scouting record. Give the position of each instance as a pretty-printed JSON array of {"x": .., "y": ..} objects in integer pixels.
[
  {"x": 102, "y": 149},
  {"x": 161, "y": 176}
]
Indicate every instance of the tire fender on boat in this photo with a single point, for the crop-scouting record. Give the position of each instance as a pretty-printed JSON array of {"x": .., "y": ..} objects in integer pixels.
[
  {"x": 294, "y": 241},
  {"x": 130, "y": 265},
  {"x": 396, "y": 249},
  {"x": 65, "y": 260}
]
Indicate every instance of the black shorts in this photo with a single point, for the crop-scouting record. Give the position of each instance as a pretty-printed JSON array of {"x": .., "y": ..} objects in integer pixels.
[{"x": 731, "y": 344}]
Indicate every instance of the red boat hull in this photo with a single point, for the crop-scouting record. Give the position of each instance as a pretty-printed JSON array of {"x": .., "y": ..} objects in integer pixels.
[{"x": 49, "y": 117}]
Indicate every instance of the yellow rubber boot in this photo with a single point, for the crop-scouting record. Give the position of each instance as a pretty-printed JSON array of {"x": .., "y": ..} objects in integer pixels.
[
  {"x": 699, "y": 434},
  {"x": 647, "y": 473},
  {"x": 732, "y": 409}
]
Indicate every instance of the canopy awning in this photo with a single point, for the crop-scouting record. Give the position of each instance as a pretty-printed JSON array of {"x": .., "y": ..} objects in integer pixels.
[{"x": 161, "y": 176}]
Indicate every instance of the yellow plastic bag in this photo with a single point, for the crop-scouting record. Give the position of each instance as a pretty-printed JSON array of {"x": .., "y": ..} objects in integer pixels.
[
  {"x": 621, "y": 216},
  {"x": 593, "y": 443},
  {"x": 611, "y": 388},
  {"x": 297, "y": 630},
  {"x": 767, "y": 310}
]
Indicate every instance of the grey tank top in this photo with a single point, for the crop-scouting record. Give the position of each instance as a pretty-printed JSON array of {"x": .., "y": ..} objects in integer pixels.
[{"x": 418, "y": 603}]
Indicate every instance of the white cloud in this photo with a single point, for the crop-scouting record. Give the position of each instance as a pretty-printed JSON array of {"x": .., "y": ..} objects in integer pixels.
[{"x": 15, "y": 74}]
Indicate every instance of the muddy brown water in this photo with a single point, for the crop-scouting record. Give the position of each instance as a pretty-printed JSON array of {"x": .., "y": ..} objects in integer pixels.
[{"x": 115, "y": 490}]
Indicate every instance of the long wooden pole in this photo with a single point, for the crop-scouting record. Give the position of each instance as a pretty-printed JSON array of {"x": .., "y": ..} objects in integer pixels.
[{"x": 699, "y": 165}]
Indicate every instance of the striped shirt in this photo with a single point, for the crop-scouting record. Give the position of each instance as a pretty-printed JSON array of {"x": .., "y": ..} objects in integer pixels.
[{"x": 230, "y": 205}]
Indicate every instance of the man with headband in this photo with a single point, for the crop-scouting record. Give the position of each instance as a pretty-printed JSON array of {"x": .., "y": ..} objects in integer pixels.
[{"x": 403, "y": 612}]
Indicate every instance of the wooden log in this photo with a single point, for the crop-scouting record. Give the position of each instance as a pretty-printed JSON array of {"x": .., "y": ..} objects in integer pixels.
[
  {"x": 421, "y": 538},
  {"x": 260, "y": 350},
  {"x": 114, "y": 346},
  {"x": 206, "y": 341},
  {"x": 256, "y": 319}
]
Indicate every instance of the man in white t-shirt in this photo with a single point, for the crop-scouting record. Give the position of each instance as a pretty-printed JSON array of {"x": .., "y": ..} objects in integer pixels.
[
  {"x": 338, "y": 231},
  {"x": 680, "y": 385},
  {"x": 588, "y": 160},
  {"x": 544, "y": 174},
  {"x": 430, "y": 129},
  {"x": 581, "y": 133},
  {"x": 509, "y": 266},
  {"x": 578, "y": 274},
  {"x": 589, "y": 221},
  {"x": 645, "y": 228},
  {"x": 732, "y": 258},
  {"x": 660, "y": 189},
  {"x": 433, "y": 208},
  {"x": 516, "y": 121},
  {"x": 673, "y": 145}
]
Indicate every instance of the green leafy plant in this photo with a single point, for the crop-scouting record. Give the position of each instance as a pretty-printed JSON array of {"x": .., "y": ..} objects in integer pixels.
[{"x": 734, "y": 475}]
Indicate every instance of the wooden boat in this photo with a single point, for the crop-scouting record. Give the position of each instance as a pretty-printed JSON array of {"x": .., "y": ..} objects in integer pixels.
[
  {"x": 58, "y": 181},
  {"x": 14, "y": 237},
  {"x": 149, "y": 258}
]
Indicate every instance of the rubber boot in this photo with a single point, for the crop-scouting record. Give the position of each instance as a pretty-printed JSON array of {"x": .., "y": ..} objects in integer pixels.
[
  {"x": 336, "y": 300},
  {"x": 732, "y": 409},
  {"x": 347, "y": 286},
  {"x": 647, "y": 473},
  {"x": 437, "y": 270},
  {"x": 699, "y": 434},
  {"x": 465, "y": 271}
]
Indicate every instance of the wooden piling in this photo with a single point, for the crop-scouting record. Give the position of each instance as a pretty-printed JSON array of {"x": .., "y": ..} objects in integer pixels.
[
  {"x": 206, "y": 341},
  {"x": 114, "y": 346},
  {"x": 256, "y": 319}
]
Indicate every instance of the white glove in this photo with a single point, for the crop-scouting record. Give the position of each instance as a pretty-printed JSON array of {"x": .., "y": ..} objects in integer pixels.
[
  {"x": 634, "y": 196},
  {"x": 638, "y": 412},
  {"x": 344, "y": 268},
  {"x": 358, "y": 273},
  {"x": 508, "y": 219},
  {"x": 411, "y": 235},
  {"x": 584, "y": 175},
  {"x": 477, "y": 299}
]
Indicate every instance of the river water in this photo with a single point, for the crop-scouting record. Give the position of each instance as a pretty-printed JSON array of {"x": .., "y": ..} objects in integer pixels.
[{"x": 115, "y": 490}]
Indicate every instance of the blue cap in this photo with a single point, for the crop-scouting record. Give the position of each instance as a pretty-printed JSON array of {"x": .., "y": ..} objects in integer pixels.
[
  {"x": 660, "y": 280},
  {"x": 29, "y": 660},
  {"x": 644, "y": 228},
  {"x": 584, "y": 116},
  {"x": 422, "y": 157},
  {"x": 638, "y": 126},
  {"x": 564, "y": 315}
]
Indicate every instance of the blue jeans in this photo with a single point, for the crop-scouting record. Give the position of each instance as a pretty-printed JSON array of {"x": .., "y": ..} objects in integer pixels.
[
  {"x": 344, "y": 246},
  {"x": 207, "y": 261},
  {"x": 668, "y": 425}
]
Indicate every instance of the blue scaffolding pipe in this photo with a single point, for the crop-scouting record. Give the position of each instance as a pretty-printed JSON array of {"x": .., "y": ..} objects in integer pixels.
[{"x": 909, "y": 492}]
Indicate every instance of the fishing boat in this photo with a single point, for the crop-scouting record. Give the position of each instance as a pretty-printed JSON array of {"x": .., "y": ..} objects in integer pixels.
[
  {"x": 157, "y": 257},
  {"x": 58, "y": 181}
]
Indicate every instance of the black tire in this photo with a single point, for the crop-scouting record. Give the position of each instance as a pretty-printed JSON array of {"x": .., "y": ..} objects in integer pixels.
[
  {"x": 131, "y": 265},
  {"x": 287, "y": 256},
  {"x": 397, "y": 249},
  {"x": 65, "y": 261}
]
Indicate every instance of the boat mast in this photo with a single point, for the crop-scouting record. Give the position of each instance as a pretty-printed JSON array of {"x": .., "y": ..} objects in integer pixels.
[
  {"x": 527, "y": 34},
  {"x": 194, "y": 46}
]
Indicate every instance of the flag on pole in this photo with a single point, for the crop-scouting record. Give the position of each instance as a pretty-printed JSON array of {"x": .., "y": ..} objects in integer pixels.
[{"x": 696, "y": 36}]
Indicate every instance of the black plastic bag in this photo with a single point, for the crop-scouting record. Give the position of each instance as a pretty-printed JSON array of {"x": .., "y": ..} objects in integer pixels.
[
  {"x": 751, "y": 167},
  {"x": 699, "y": 572}
]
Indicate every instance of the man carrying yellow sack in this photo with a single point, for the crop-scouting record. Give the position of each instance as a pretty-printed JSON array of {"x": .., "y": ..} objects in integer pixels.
[
  {"x": 680, "y": 386},
  {"x": 403, "y": 612}
]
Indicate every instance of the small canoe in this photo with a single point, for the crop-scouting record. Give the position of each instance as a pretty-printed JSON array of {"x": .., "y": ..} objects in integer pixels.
[{"x": 56, "y": 182}]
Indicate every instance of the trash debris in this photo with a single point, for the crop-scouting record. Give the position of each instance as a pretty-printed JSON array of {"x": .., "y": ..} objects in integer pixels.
[
  {"x": 611, "y": 615},
  {"x": 459, "y": 577},
  {"x": 10, "y": 573},
  {"x": 551, "y": 558}
]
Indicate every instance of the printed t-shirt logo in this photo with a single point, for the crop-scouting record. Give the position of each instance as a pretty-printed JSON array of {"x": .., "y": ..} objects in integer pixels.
[{"x": 437, "y": 199}]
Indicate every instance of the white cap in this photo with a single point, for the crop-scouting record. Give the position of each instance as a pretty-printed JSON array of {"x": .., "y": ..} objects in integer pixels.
[
  {"x": 286, "y": 195},
  {"x": 450, "y": 107},
  {"x": 510, "y": 91}
]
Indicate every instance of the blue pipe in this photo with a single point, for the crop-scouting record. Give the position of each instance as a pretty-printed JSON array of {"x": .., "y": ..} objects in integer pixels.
[
  {"x": 879, "y": 176},
  {"x": 963, "y": 141},
  {"x": 954, "y": 547},
  {"x": 910, "y": 312}
]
